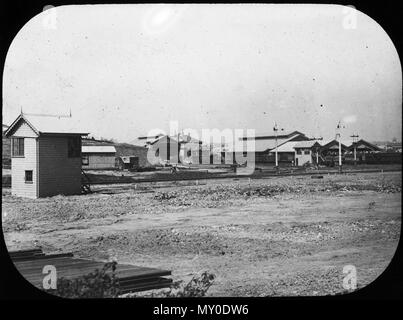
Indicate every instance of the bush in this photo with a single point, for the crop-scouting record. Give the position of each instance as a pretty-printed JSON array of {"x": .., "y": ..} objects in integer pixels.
[
  {"x": 196, "y": 287},
  {"x": 98, "y": 284}
]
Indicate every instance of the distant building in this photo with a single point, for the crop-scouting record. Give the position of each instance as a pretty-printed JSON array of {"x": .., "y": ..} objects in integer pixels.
[
  {"x": 265, "y": 146},
  {"x": 286, "y": 152},
  {"x": 363, "y": 146},
  {"x": 45, "y": 156},
  {"x": 307, "y": 152},
  {"x": 298, "y": 153},
  {"x": 124, "y": 151},
  {"x": 164, "y": 149},
  {"x": 147, "y": 140},
  {"x": 331, "y": 148},
  {"x": 394, "y": 147},
  {"x": 98, "y": 157}
]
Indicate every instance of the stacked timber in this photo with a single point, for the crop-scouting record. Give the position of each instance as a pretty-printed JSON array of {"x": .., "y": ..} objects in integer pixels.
[{"x": 30, "y": 263}]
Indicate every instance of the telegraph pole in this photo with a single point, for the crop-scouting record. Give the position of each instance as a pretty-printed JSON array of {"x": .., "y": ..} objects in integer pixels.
[
  {"x": 355, "y": 146},
  {"x": 275, "y": 129},
  {"x": 338, "y": 135},
  {"x": 317, "y": 151}
]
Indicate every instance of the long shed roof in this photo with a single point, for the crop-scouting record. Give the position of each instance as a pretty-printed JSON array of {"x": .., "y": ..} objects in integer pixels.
[
  {"x": 98, "y": 149},
  {"x": 286, "y": 147}
]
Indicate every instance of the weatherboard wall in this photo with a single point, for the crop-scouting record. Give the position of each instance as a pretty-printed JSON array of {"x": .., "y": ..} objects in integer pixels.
[
  {"x": 58, "y": 174},
  {"x": 100, "y": 161},
  {"x": 19, "y": 187}
]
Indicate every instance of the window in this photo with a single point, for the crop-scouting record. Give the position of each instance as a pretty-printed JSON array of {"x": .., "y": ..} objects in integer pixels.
[
  {"x": 28, "y": 176},
  {"x": 74, "y": 147},
  {"x": 299, "y": 151},
  {"x": 17, "y": 147},
  {"x": 306, "y": 152},
  {"x": 85, "y": 160}
]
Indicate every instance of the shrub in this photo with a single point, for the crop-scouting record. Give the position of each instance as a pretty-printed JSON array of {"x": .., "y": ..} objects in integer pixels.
[
  {"x": 196, "y": 287},
  {"x": 99, "y": 284}
]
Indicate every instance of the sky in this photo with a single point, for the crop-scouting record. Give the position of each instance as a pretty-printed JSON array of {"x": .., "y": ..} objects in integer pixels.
[{"x": 124, "y": 70}]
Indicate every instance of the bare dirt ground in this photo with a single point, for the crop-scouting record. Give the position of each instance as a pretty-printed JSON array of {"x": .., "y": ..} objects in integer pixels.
[{"x": 274, "y": 236}]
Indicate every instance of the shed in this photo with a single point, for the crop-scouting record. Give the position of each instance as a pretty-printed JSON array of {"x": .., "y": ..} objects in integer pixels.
[
  {"x": 286, "y": 151},
  {"x": 363, "y": 146},
  {"x": 265, "y": 145},
  {"x": 307, "y": 152},
  {"x": 45, "y": 155},
  {"x": 332, "y": 147},
  {"x": 98, "y": 157}
]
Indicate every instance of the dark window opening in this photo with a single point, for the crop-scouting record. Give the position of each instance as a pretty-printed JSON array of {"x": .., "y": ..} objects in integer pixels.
[
  {"x": 306, "y": 152},
  {"x": 85, "y": 160},
  {"x": 299, "y": 151},
  {"x": 28, "y": 176},
  {"x": 17, "y": 147},
  {"x": 74, "y": 147}
]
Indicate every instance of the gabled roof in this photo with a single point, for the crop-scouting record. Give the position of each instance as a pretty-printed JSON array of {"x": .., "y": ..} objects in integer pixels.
[
  {"x": 286, "y": 147},
  {"x": 46, "y": 124},
  {"x": 98, "y": 149},
  {"x": 183, "y": 138},
  {"x": 307, "y": 144},
  {"x": 280, "y": 135},
  {"x": 268, "y": 142},
  {"x": 150, "y": 137},
  {"x": 335, "y": 143},
  {"x": 367, "y": 145},
  {"x": 161, "y": 138},
  {"x": 262, "y": 145}
]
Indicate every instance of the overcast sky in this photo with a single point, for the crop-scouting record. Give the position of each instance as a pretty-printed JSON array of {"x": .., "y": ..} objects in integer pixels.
[{"x": 126, "y": 69}]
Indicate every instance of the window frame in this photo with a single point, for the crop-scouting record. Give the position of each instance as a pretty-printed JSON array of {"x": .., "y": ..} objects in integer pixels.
[
  {"x": 32, "y": 176},
  {"x": 18, "y": 145}
]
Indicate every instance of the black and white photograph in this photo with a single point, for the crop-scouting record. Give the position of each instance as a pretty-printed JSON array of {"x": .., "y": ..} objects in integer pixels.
[{"x": 201, "y": 150}]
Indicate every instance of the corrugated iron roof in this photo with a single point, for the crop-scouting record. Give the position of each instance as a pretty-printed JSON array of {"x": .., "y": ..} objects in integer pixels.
[
  {"x": 269, "y": 144},
  {"x": 280, "y": 134},
  {"x": 286, "y": 147},
  {"x": 345, "y": 143},
  {"x": 47, "y": 124},
  {"x": 98, "y": 149},
  {"x": 306, "y": 144}
]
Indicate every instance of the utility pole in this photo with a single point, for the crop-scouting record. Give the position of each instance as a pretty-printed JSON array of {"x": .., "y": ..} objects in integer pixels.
[
  {"x": 338, "y": 136},
  {"x": 275, "y": 129},
  {"x": 355, "y": 146},
  {"x": 317, "y": 151}
]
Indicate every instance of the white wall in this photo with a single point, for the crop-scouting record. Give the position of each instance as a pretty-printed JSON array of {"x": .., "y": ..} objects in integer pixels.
[
  {"x": 19, "y": 187},
  {"x": 303, "y": 158}
]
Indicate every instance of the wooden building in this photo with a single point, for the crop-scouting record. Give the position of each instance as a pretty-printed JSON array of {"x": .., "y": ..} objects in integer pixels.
[
  {"x": 98, "y": 157},
  {"x": 182, "y": 148},
  {"x": 331, "y": 148},
  {"x": 265, "y": 146},
  {"x": 362, "y": 146},
  {"x": 45, "y": 156},
  {"x": 307, "y": 152}
]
